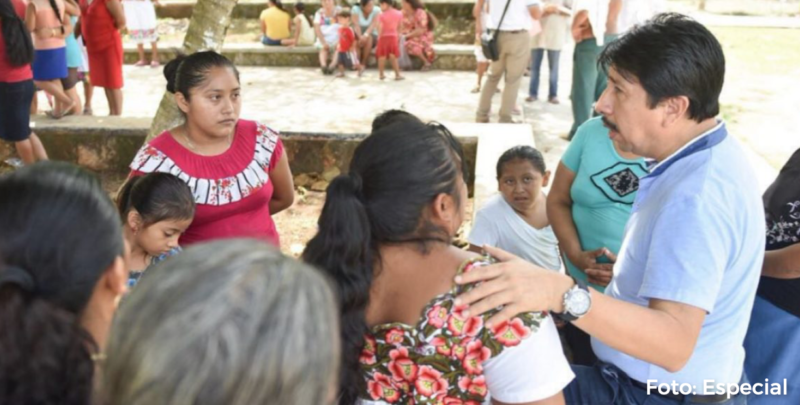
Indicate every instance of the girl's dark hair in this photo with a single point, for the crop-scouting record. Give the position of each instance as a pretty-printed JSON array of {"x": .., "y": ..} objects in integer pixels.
[
  {"x": 389, "y": 2},
  {"x": 416, "y": 5},
  {"x": 187, "y": 72},
  {"x": 59, "y": 232},
  {"x": 364, "y": 3},
  {"x": 301, "y": 9},
  {"x": 389, "y": 117},
  {"x": 522, "y": 152},
  {"x": 395, "y": 173},
  {"x": 278, "y": 4},
  {"x": 19, "y": 45},
  {"x": 54, "y": 5},
  {"x": 156, "y": 197}
]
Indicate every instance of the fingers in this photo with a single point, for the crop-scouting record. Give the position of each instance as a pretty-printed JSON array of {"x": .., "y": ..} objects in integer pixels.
[
  {"x": 607, "y": 267},
  {"x": 499, "y": 254},
  {"x": 598, "y": 252},
  {"x": 599, "y": 277},
  {"x": 481, "y": 273},
  {"x": 502, "y": 316},
  {"x": 484, "y": 294},
  {"x": 611, "y": 256}
]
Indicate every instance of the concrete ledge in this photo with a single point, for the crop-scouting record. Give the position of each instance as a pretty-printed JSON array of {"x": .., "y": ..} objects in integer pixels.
[
  {"x": 450, "y": 56},
  {"x": 104, "y": 144},
  {"x": 179, "y": 9}
]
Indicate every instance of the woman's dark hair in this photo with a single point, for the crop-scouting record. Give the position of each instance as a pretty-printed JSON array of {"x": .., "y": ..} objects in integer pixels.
[
  {"x": 54, "y": 5},
  {"x": 395, "y": 173},
  {"x": 277, "y": 4},
  {"x": 156, "y": 197},
  {"x": 300, "y": 8},
  {"x": 59, "y": 232},
  {"x": 363, "y": 4},
  {"x": 522, "y": 152},
  {"x": 671, "y": 55},
  {"x": 19, "y": 45},
  {"x": 416, "y": 5},
  {"x": 389, "y": 2},
  {"x": 187, "y": 72},
  {"x": 389, "y": 117}
]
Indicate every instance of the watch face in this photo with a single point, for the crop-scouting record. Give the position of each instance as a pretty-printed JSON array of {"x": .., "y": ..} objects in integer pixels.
[{"x": 579, "y": 302}]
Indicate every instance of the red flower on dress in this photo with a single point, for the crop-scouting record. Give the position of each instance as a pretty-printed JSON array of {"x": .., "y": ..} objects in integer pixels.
[
  {"x": 430, "y": 382},
  {"x": 394, "y": 336},
  {"x": 368, "y": 352},
  {"x": 475, "y": 386},
  {"x": 442, "y": 346},
  {"x": 401, "y": 366},
  {"x": 437, "y": 316},
  {"x": 511, "y": 333},
  {"x": 475, "y": 355},
  {"x": 381, "y": 388},
  {"x": 452, "y": 401},
  {"x": 459, "y": 351},
  {"x": 460, "y": 325}
]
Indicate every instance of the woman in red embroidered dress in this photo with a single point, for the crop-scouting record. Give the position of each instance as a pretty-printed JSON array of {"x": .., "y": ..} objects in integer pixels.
[
  {"x": 417, "y": 27},
  {"x": 385, "y": 238},
  {"x": 237, "y": 169}
]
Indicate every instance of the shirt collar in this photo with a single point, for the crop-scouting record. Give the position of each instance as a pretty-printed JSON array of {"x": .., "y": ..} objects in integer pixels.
[{"x": 708, "y": 139}]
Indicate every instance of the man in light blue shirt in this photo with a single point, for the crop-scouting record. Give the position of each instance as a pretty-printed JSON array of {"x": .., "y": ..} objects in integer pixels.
[{"x": 670, "y": 327}]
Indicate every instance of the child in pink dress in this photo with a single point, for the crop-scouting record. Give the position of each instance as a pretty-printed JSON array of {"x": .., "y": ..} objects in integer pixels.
[{"x": 388, "y": 41}]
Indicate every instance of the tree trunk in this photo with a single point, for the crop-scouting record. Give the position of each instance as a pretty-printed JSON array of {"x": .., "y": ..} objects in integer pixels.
[
  {"x": 207, "y": 28},
  {"x": 701, "y": 5}
]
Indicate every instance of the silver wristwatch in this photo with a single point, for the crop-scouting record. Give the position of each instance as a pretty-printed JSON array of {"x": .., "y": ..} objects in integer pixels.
[{"x": 577, "y": 302}]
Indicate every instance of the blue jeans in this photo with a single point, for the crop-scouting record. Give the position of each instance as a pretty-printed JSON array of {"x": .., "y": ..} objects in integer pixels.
[
  {"x": 269, "y": 41},
  {"x": 605, "y": 384},
  {"x": 537, "y": 55}
]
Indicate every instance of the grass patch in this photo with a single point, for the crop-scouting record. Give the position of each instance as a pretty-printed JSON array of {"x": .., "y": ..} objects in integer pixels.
[{"x": 761, "y": 51}]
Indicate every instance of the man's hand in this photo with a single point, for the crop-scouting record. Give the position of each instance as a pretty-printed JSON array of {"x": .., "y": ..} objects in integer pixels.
[{"x": 514, "y": 284}]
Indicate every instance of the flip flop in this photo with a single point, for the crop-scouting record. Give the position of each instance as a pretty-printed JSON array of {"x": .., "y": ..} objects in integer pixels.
[
  {"x": 155, "y": 64},
  {"x": 398, "y": 78},
  {"x": 140, "y": 63}
]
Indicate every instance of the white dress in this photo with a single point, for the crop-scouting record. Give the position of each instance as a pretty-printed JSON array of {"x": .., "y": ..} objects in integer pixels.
[{"x": 140, "y": 17}]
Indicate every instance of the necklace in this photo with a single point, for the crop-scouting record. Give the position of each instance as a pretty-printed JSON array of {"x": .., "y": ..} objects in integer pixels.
[{"x": 191, "y": 146}]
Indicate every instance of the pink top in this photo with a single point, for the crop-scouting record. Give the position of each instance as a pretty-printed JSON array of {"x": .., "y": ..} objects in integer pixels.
[
  {"x": 8, "y": 73},
  {"x": 46, "y": 17},
  {"x": 232, "y": 190},
  {"x": 390, "y": 22}
]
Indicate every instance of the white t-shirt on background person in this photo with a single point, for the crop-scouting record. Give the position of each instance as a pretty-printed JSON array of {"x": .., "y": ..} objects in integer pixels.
[{"x": 497, "y": 224}]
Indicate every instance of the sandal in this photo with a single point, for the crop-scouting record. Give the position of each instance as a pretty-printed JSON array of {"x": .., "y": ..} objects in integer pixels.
[
  {"x": 426, "y": 68},
  {"x": 154, "y": 64},
  {"x": 140, "y": 63},
  {"x": 87, "y": 111},
  {"x": 57, "y": 116},
  {"x": 398, "y": 78}
]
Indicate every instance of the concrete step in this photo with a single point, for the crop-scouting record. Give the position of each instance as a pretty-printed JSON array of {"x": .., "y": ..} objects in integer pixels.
[
  {"x": 252, "y": 9},
  {"x": 449, "y": 56}
]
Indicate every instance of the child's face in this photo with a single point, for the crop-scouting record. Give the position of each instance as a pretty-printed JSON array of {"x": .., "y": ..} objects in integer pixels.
[
  {"x": 162, "y": 236},
  {"x": 342, "y": 20},
  {"x": 384, "y": 6},
  {"x": 520, "y": 183}
]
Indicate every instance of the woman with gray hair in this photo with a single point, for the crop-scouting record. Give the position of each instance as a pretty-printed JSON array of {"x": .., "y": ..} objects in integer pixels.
[{"x": 226, "y": 323}]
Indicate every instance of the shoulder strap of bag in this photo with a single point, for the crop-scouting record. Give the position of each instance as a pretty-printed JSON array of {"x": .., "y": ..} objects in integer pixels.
[{"x": 502, "y": 17}]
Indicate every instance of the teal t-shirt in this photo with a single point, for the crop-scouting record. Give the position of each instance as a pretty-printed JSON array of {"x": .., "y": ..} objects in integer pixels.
[
  {"x": 603, "y": 191},
  {"x": 365, "y": 22}
]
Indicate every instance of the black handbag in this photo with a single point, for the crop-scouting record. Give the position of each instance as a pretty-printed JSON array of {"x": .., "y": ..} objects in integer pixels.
[{"x": 489, "y": 41}]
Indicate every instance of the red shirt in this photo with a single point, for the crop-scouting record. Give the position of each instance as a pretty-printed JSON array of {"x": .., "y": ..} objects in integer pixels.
[
  {"x": 390, "y": 22},
  {"x": 232, "y": 190},
  {"x": 98, "y": 26},
  {"x": 346, "y": 39},
  {"x": 8, "y": 73}
]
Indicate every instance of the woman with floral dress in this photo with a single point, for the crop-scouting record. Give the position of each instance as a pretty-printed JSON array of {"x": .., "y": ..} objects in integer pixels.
[
  {"x": 237, "y": 169},
  {"x": 385, "y": 238},
  {"x": 417, "y": 28}
]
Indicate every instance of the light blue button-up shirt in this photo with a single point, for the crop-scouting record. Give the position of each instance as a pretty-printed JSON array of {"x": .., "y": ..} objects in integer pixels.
[{"x": 695, "y": 236}]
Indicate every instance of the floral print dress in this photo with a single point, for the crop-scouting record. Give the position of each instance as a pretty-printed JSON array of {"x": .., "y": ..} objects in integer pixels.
[
  {"x": 421, "y": 45},
  {"x": 449, "y": 358}
]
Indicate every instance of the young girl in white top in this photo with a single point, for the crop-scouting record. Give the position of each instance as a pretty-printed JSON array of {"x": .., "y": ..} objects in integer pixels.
[{"x": 516, "y": 219}]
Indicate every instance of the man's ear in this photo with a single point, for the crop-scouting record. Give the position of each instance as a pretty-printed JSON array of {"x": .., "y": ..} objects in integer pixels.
[{"x": 675, "y": 109}]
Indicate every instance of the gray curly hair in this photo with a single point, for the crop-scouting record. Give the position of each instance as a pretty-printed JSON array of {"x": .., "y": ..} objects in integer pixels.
[{"x": 225, "y": 323}]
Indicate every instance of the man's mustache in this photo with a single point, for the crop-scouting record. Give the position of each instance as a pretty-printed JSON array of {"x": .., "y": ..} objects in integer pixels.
[{"x": 610, "y": 125}]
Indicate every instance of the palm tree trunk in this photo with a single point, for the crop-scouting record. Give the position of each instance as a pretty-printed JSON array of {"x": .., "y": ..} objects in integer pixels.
[{"x": 207, "y": 28}]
